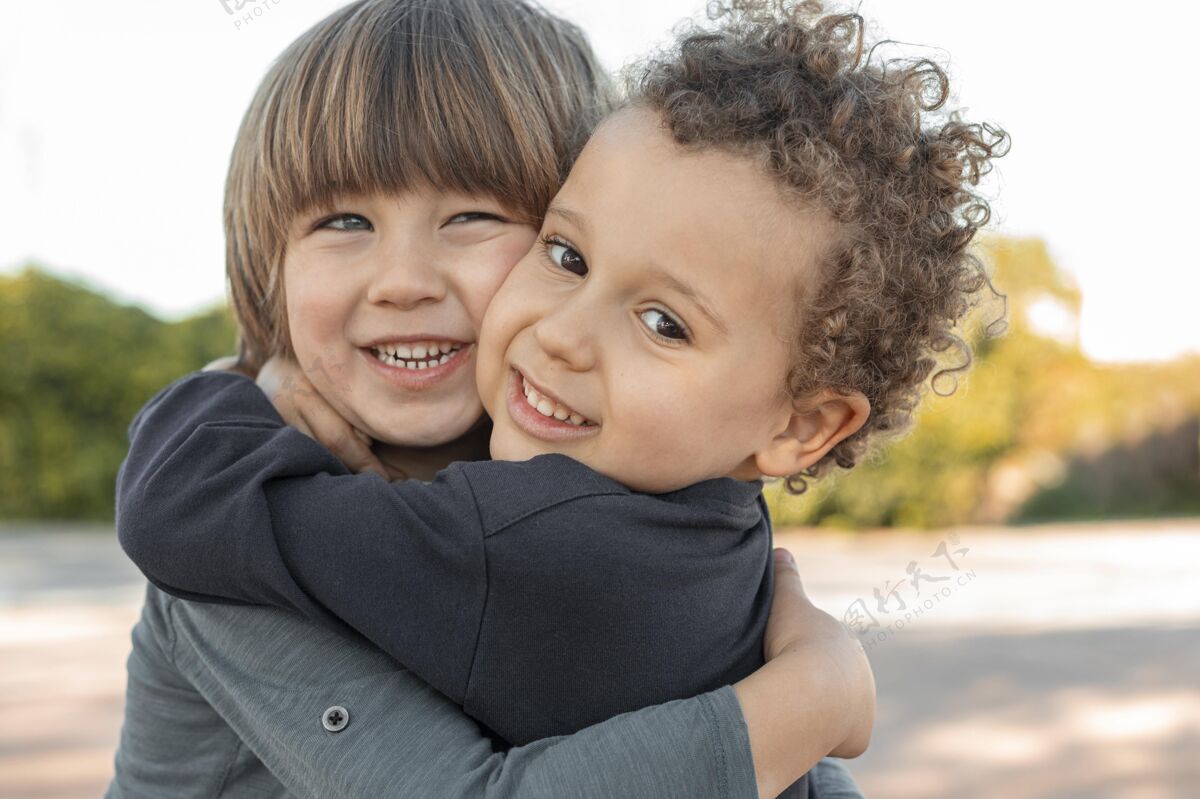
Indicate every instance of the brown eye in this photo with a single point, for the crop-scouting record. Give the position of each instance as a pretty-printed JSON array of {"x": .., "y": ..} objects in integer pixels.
[
  {"x": 664, "y": 325},
  {"x": 567, "y": 258}
]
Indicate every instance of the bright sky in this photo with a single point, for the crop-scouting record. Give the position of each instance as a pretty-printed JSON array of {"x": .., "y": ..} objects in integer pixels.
[{"x": 116, "y": 121}]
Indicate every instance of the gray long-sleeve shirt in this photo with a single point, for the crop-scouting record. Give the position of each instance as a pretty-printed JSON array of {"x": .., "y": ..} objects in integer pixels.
[
  {"x": 541, "y": 596},
  {"x": 225, "y": 702}
]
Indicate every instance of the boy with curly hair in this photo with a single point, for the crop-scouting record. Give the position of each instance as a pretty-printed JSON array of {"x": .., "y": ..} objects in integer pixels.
[{"x": 748, "y": 273}]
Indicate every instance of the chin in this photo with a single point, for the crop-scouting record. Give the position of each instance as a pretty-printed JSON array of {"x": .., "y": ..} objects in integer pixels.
[
  {"x": 513, "y": 448},
  {"x": 421, "y": 430}
]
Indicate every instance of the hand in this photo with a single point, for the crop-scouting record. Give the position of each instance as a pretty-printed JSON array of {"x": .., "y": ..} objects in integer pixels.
[
  {"x": 795, "y": 620},
  {"x": 797, "y": 625},
  {"x": 816, "y": 694},
  {"x": 303, "y": 407},
  {"x": 228, "y": 363}
]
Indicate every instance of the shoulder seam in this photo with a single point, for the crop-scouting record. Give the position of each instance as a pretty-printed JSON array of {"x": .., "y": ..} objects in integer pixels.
[
  {"x": 171, "y": 622},
  {"x": 487, "y": 590},
  {"x": 718, "y": 746},
  {"x": 528, "y": 512}
]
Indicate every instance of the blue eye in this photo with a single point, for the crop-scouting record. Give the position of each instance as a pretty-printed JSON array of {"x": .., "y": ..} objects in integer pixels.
[
  {"x": 663, "y": 325},
  {"x": 473, "y": 216},
  {"x": 565, "y": 257},
  {"x": 347, "y": 222}
]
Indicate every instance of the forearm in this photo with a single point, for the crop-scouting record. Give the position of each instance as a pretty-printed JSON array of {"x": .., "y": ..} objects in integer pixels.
[
  {"x": 803, "y": 705},
  {"x": 191, "y": 510},
  {"x": 689, "y": 748},
  {"x": 218, "y": 499}
]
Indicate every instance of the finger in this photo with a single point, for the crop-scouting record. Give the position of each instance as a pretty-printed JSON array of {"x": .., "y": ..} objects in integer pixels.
[
  {"x": 281, "y": 376},
  {"x": 223, "y": 364},
  {"x": 297, "y": 421},
  {"x": 291, "y": 414},
  {"x": 349, "y": 444},
  {"x": 359, "y": 458},
  {"x": 786, "y": 571}
]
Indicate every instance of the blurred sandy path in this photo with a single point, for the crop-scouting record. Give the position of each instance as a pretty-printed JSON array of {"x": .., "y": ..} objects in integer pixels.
[{"x": 1066, "y": 666}]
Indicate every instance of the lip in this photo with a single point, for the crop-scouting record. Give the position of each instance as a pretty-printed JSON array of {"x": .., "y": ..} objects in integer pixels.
[
  {"x": 375, "y": 342},
  {"x": 418, "y": 379},
  {"x": 545, "y": 428}
]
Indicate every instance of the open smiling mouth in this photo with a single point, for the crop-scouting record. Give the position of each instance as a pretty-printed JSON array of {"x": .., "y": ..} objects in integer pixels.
[
  {"x": 423, "y": 355},
  {"x": 548, "y": 408}
]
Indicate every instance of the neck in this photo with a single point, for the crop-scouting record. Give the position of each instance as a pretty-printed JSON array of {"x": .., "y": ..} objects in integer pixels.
[{"x": 422, "y": 463}]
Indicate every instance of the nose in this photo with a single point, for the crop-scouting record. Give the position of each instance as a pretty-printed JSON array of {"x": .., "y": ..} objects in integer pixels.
[
  {"x": 566, "y": 333},
  {"x": 408, "y": 275}
]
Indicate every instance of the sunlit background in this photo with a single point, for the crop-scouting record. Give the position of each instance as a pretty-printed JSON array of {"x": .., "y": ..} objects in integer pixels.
[{"x": 1063, "y": 476}]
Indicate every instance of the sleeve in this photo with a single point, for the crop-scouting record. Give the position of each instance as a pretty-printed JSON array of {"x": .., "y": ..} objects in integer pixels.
[
  {"x": 219, "y": 500},
  {"x": 172, "y": 743},
  {"x": 271, "y": 675},
  {"x": 830, "y": 779}
]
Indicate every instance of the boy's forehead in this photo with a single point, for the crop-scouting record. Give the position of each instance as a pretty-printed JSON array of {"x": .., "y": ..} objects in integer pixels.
[
  {"x": 633, "y": 157},
  {"x": 635, "y": 187}
]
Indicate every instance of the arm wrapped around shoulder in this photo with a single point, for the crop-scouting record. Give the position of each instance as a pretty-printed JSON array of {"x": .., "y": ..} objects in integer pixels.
[
  {"x": 219, "y": 501},
  {"x": 612, "y": 600},
  {"x": 199, "y": 454}
]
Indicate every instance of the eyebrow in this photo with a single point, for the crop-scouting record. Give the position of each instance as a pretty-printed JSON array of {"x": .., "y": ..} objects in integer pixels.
[
  {"x": 574, "y": 217},
  {"x": 697, "y": 299}
]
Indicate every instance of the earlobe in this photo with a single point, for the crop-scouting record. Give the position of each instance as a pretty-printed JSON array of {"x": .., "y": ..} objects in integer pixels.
[{"x": 813, "y": 428}]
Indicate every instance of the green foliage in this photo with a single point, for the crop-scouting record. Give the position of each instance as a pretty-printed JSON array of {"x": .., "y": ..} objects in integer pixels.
[
  {"x": 1034, "y": 431},
  {"x": 74, "y": 368}
]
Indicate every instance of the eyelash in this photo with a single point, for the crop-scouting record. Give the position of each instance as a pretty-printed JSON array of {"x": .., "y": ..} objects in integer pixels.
[
  {"x": 687, "y": 334},
  {"x": 554, "y": 241},
  {"x": 473, "y": 216},
  {"x": 478, "y": 216},
  {"x": 325, "y": 223},
  {"x": 551, "y": 241}
]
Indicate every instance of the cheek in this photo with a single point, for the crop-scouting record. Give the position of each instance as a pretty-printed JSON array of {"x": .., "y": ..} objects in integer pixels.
[
  {"x": 513, "y": 304},
  {"x": 298, "y": 297},
  {"x": 488, "y": 272},
  {"x": 513, "y": 308},
  {"x": 757, "y": 401},
  {"x": 313, "y": 311},
  {"x": 730, "y": 398},
  {"x": 500, "y": 324}
]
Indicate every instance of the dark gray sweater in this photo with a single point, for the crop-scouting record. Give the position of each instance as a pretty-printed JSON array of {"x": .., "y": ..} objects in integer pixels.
[{"x": 541, "y": 596}]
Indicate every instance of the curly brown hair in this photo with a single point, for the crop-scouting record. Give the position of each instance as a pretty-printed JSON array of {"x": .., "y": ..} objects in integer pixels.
[{"x": 869, "y": 141}]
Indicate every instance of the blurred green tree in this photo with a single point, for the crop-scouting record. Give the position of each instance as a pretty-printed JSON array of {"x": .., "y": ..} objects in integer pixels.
[
  {"x": 1034, "y": 431},
  {"x": 1003, "y": 445},
  {"x": 74, "y": 368}
]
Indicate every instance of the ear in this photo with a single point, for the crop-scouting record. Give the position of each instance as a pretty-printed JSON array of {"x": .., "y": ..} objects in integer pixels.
[{"x": 816, "y": 424}]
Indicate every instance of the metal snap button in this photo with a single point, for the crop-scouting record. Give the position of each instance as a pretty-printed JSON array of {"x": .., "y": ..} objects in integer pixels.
[{"x": 335, "y": 718}]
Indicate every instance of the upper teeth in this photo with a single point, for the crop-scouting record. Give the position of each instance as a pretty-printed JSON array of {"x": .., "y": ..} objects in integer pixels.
[
  {"x": 548, "y": 407},
  {"x": 419, "y": 355}
]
